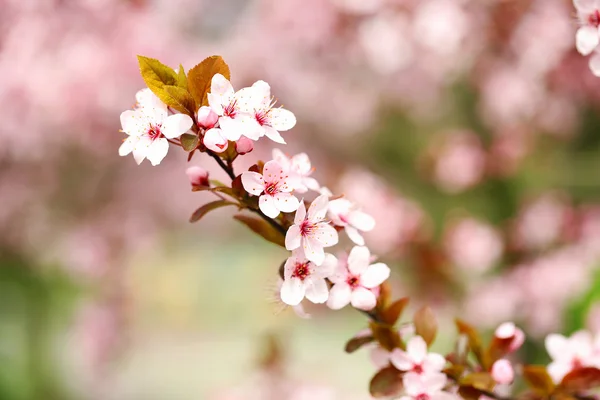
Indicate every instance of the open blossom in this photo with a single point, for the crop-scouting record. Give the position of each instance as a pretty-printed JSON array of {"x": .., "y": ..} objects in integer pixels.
[
  {"x": 268, "y": 119},
  {"x": 588, "y": 35},
  {"x": 299, "y": 168},
  {"x": 416, "y": 359},
  {"x": 570, "y": 353},
  {"x": 227, "y": 104},
  {"x": 149, "y": 127},
  {"x": 352, "y": 283},
  {"x": 343, "y": 213},
  {"x": 303, "y": 278},
  {"x": 311, "y": 232},
  {"x": 273, "y": 188},
  {"x": 426, "y": 387}
]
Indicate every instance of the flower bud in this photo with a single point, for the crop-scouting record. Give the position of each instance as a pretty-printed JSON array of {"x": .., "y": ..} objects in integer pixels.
[
  {"x": 508, "y": 331},
  {"x": 207, "y": 118},
  {"x": 503, "y": 372},
  {"x": 214, "y": 140},
  {"x": 198, "y": 176},
  {"x": 244, "y": 145}
]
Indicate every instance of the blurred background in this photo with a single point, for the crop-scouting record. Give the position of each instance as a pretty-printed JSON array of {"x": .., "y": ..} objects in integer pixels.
[{"x": 470, "y": 130}]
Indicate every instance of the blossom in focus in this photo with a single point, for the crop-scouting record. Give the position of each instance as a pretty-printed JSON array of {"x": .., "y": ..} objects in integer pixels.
[
  {"x": 508, "y": 330},
  {"x": 303, "y": 278},
  {"x": 198, "y": 176},
  {"x": 503, "y": 372},
  {"x": 570, "y": 353},
  {"x": 343, "y": 213},
  {"x": 148, "y": 129},
  {"x": 426, "y": 387},
  {"x": 352, "y": 283},
  {"x": 268, "y": 120},
  {"x": 146, "y": 99},
  {"x": 416, "y": 359},
  {"x": 273, "y": 188},
  {"x": 299, "y": 168},
  {"x": 227, "y": 104},
  {"x": 207, "y": 118},
  {"x": 588, "y": 35},
  {"x": 244, "y": 146},
  {"x": 311, "y": 232},
  {"x": 214, "y": 139}
]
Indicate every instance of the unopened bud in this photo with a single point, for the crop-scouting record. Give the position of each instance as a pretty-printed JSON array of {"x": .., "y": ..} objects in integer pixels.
[
  {"x": 503, "y": 372},
  {"x": 244, "y": 146},
  {"x": 207, "y": 118},
  {"x": 508, "y": 330},
  {"x": 198, "y": 176}
]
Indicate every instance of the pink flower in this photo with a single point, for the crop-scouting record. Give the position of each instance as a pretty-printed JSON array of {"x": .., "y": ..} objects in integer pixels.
[
  {"x": 299, "y": 167},
  {"x": 503, "y": 372},
  {"x": 273, "y": 188},
  {"x": 207, "y": 118},
  {"x": 352, "y": 284},
  {"x": 426, "y": 387},
  {"x": 198, "y": 176},
  {"x": 343, "y": 213},
  {"x": 416, "y": 359},
  {"x": 311, "y": 232},
  {"x": 244, "y": 146},
  {"x": 508, "y": 330},
  {"x": 588, "y": 35},
  {"x": 303, "y": 278},
  {"x": 570, "y": 353},
  {"x": 269, "y": 120},
  {"x": 227, "y": 104},
  {"x": 215, "y": 140}
]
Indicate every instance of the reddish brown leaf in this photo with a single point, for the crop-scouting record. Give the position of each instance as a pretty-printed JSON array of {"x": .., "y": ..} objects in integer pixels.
[
  {"x": 538, "y": 379},
  {"x": 581, "y": 379},
  {"x": 425, "y": 324},
  {"x": 393, "y": 312},
  {"x": 357, "y": 342},
  {"x": 205, "y": 209},
  {"x": 474, "y": 340},
  {"x": 387, "y": 336},
  {"x": 385, "y": 383},
  {"x": 200, "y": 77}
]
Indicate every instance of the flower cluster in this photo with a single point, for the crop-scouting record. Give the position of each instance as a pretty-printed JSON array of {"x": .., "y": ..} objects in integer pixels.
[{"x": 588, "y": 35}]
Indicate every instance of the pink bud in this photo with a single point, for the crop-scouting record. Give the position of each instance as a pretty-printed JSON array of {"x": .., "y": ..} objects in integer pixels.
[
  {"x": 503, "y": 372},
  {"x": 214, "y": 140},
  {"x": 198, "y": 176},
  {"x": 244, "y": 145},
  {"x": 508, "y": 330},
  {"x": 207, "y": 118}
]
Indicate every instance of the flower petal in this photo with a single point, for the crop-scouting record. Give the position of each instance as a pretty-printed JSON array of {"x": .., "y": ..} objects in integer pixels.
[
  {"x": 413, "y": 384},
  {"x": 286, "y": 202},
  {"x": 267, "y": 205},
  {"x": 326, "y": 234},
  {"x": 434, "y": 382},
  {"x": 214, "y": 140},
  {"x": 292, "y": 291},
  {"x": 361, "y": 221},
  {"x": 556, "y": 345},
  {"x": 417, "y": 349},
  {"x": 272, "y": 172},
  {"x": 157, "y": 151},
  {"x": 328, "y": 267},
  {"x": 293, "y": 239},
  {"x": 375, "y": 275},
  {"x": 282, "y": 159},
  {"x": 363, "y": 299},
  {"x": 300, "y": 213},
  {"x": 358, "y": 259},
  {"x": 318, "y": 208},
  {"x": 289, "y": 267},
  {"x": 313, "y": 251},
  {"x": 220, "y": 86},
  {"x": 340, "y": 273},
  {"x": 128, "y": 145},
  {"x": 282, "y": 119},
  {"x": 557, "y": 370},
  {"x": 401, "y": 360},
  {"x": 176, "y": 125},
  {"x": 587, "y": 39},
  {"x": 273, "y": 134},
  {"x": 434, "y": 362},
  {"x": 253, "y": 182},
  {"x": 354, "y": 235},
  {"x": 594, "y": 64},
  {"x": 232, "y": 129},
  {"x": 130, "y": 122},
  {"x": 339, "y": 296},
  {"x": 316, "y": 290}
]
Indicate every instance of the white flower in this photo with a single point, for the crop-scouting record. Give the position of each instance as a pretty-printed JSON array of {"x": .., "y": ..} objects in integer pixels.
[
  {"x": 588, "y": 35},
  {"x": 299, "y": 168},
  {"x": 229, "y": 105},
  {"x": 416, "y": 359},
  {"x": 343, "y": 213},
  {"x": 311, "y": 232},
  {"x": 352, "y": 283},
  {"x": 269, "y": 120},
  {"x": 273, "y": 188},
  {"x": 426, "y": 387},
  {"x": 148, "y": 128},
  {"x": 215, "y": 140},
  {"x": 303, "y": 278},
  {"x": 570, "y": 353}
]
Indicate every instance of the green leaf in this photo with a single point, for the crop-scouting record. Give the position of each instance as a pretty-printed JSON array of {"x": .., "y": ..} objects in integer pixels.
[
  {"x": 538, "y": 379},
  {"x": 178, "y": 98},
  {"x": 156, "y": 74},
  {"x": 386, "y": 383},
  {"x": 205, "y": 209},
  {"x": 425, "y": 324},
  {"x": 357, "y": 342},
  {"x": 392, "y": 313},
  {"x": 200, "y": 77},
  {"x": 182, "y": 78},
  {"x": 263, "y": 228},
  {"x": 189, "y": 142}
]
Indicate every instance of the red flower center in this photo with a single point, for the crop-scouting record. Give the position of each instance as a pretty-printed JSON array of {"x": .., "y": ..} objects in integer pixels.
[
  {"x": 422, "y": 396},
  {"x": 302, "y": 271},
  {"x": 353, "y": 281},
  {"x": 271, "y": 188},
  {"x": 307, "y": 228},
  {"x": 154, "y": 132},
  {"x": 418, "y": 368},
  {"x": 262, "y": 117},
  {"x": 230, "y": 110},
  {"x": 594, "y": 18}
]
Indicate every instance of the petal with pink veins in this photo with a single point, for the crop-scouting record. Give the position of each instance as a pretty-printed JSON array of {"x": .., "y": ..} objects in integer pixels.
[
  {"x": 128, "y": 145},
  {"x": 401, "y": 360},
  {"x": 328, "y": 267},
  {"x": 361, "y": 220}
]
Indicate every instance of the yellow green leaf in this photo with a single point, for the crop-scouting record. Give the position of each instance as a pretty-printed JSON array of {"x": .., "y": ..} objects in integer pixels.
[
  {"x": 538, "y": 379},
  {"x": 189, "y": 142},
  {"x": 182, "y": 78},
  {"x": 200, "y": 77},
  {"x": 156, "y": 74},
  {"x": 178, "y": 98}
]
